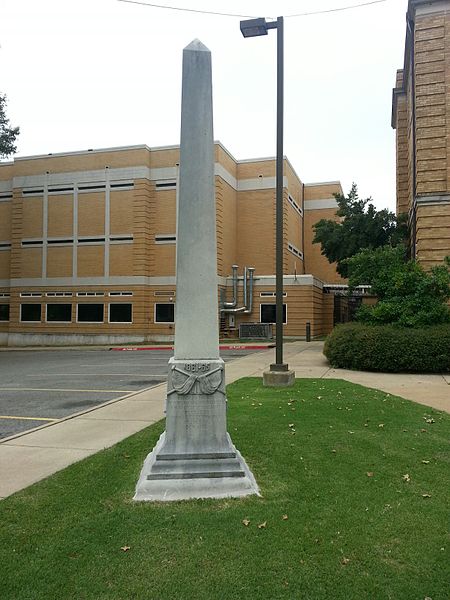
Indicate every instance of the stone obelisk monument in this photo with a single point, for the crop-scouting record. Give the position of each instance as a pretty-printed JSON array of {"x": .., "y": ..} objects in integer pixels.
[{"x": 195, "y": 457}]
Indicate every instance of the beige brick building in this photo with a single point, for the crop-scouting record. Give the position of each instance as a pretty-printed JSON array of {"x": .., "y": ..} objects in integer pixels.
[
  {"x": 87, "y": 246},
  {"x": 421, "y": 117}
]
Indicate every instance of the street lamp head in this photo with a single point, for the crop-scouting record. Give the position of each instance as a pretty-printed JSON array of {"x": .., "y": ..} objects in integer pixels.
[{"x": 253, "y": 27}]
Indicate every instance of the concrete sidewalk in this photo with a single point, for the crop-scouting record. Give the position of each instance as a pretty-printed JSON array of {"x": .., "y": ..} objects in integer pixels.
[{"x": 29, "y": 457}]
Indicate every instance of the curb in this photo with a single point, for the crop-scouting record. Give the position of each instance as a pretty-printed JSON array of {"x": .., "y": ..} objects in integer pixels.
[{"x": 221, "y": 347}]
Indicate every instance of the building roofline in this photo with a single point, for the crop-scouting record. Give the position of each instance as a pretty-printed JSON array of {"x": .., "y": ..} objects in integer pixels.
[
  {"x": 159, "y": 148},
  {"x": 315, "y": 183}
]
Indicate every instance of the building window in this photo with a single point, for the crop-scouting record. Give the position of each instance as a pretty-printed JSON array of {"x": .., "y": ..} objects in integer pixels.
[
  {"x": 295, "y": 250},
  {"x": 59, "y": 313},
  {"x": 90, "y": 313},
  {"x": 120, "y": 313},
  {"x": 4, "y": 312},
  {"x": 121, "y": 239},
  {"x": 30, "y": 294},
  {"x": 30, "y": 312},
  {"x": 294, "y": 204},
  {"x": 164, "y": 313},
  {"x": 122, "y": 185},
  {"x": 268, "y": 313},
  {"x": 58, "y": 294},
  {"x": 167, "y": 184},
  {"x": 120, "y": 294},
  {"x": 90, "y": 293},
  {"x": 165, "y": 293},
  {"x": 169, "y": 238},
  {"x": 271, "y": 294}
]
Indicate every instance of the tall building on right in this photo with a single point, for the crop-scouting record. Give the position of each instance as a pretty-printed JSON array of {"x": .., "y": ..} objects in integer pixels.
[{"x": 421, "y": 118}]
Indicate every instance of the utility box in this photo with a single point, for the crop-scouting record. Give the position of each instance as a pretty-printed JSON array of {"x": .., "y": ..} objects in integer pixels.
[{"x": 258, "y": 331}]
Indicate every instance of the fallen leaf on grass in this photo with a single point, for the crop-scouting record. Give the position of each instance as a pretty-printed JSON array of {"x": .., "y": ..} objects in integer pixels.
[
  {"x": 425, "y": 462},
  {"x": 345, "y": 561},
  {"x": 262, "y": 525},
  {"x": 406, "y": 477},
  {"x": 424, "y": 431},
  {"x": 291, "y": 424},
  {"x": 381, "y": 425},
  {"x": 430, "y": 420},
  {"x": 369, "y": 473},
  {"x": 426, "y": 495},
  {"x": 284, "y": 517},
  {"x": 245, "y": 522},
  {"x": 125, "y": 548}
]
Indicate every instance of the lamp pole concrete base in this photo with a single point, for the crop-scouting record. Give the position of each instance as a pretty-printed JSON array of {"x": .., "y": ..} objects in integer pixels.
[{"x": 279, "y": 376}]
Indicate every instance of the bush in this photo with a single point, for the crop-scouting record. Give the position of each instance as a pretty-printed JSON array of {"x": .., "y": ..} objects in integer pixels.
[
  {"x": 408, "y": 296},
  {"x": 389, "y": 349}
]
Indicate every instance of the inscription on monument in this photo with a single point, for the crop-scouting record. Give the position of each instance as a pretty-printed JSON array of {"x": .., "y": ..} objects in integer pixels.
[{"x": 197, "y": 367}]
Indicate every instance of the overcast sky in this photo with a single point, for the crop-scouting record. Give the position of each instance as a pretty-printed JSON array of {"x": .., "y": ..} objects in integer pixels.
[{"x": 98, "y": 73}]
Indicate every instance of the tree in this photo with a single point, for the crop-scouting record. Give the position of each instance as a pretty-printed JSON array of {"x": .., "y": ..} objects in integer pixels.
[
  {"x": 408, "y": 295},
  {"x": 7, "y": 134},
  {"x": 360, "y": 226}
]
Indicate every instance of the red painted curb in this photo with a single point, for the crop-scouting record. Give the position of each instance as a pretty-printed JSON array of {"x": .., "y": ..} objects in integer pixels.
[{"x": 227, "y": 347}]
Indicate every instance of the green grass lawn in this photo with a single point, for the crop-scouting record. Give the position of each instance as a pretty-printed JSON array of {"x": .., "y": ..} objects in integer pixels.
[{"x": 362, "y": 477}]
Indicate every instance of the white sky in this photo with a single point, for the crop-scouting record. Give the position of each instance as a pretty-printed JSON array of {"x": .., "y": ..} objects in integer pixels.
[{"x": 98, "y": 73}]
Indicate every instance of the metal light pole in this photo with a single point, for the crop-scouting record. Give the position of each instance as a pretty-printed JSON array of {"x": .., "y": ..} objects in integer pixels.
[{"x": 253, "y": 28}]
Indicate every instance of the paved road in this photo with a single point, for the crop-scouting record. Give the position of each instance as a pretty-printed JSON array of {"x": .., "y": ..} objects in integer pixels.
[{"x": 37, "y": 387}]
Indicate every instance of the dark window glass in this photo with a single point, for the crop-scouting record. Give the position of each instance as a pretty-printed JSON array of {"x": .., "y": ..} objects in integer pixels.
[
  {"x": 164, "y": 313},
  {"x": 90, "y": 313},
  {"x": 30, "y": 312},
  {"x": 59, "y": 312},
  {"x": 120, "y": 313},
  {"x": 4, "y": 312},
  {"x": 268, "y": 313}
]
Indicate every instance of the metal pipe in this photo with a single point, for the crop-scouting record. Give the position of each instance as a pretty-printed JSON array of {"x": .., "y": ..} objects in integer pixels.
[
  {"x": 233, "y": 303},
  {"x": 249, "y": 307},
  {"x": 245, "y": 287}
]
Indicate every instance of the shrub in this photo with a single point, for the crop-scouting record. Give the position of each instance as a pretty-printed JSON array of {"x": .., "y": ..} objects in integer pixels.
[
  {"x": 389, "y": 349},
  {"x": 408, "y": 295}
]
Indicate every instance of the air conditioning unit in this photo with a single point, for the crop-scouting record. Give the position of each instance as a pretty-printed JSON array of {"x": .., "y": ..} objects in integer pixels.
[{"x": 257, "y": 331}]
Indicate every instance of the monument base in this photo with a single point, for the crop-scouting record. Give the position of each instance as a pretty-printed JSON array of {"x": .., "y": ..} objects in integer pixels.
[
  {"x": 285, "y": 378},
  {"x": 182, "y": 477}
]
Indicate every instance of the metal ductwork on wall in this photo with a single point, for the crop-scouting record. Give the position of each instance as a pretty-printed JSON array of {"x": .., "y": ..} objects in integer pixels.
[
  {"x": 248, "y": 282},
  {"x": 233, "y": 303}
]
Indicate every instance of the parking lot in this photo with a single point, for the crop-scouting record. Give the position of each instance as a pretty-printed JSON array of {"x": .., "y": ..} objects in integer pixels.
[{"x": 43, "y": 386}]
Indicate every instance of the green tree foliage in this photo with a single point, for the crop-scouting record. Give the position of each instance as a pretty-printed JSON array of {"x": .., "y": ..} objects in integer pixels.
[
  {"x": 7, "y": 134},
  {"x": 408, "y": 295},
  {"x": 360, "y": 226}
]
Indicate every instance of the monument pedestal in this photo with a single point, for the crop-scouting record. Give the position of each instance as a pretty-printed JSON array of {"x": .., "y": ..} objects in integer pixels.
[
  {"x": 195, "y": 457},
  {"x": 279, "y": 376}
]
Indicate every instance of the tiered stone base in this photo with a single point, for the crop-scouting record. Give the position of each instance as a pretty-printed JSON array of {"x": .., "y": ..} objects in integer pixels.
[
  {"x": 195, "y": 457},
  {"x": 181, "y": 477}
]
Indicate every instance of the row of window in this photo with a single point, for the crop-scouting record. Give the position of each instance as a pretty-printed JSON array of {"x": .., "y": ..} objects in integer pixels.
[
  {"x": 69, "y": 294},
  {"x": 113, "y": 239},
  {"x": 117, "y": 313},
  {"x": 62, "y": 313},
  {"x": 81, "y": 187}
]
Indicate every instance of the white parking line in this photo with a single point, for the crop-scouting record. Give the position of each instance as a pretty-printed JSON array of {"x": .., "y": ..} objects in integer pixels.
[
  {"x": 100, "y": 374},
  {"x": 26, "y": 418},
  {"x": 5, "y": 389}
]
